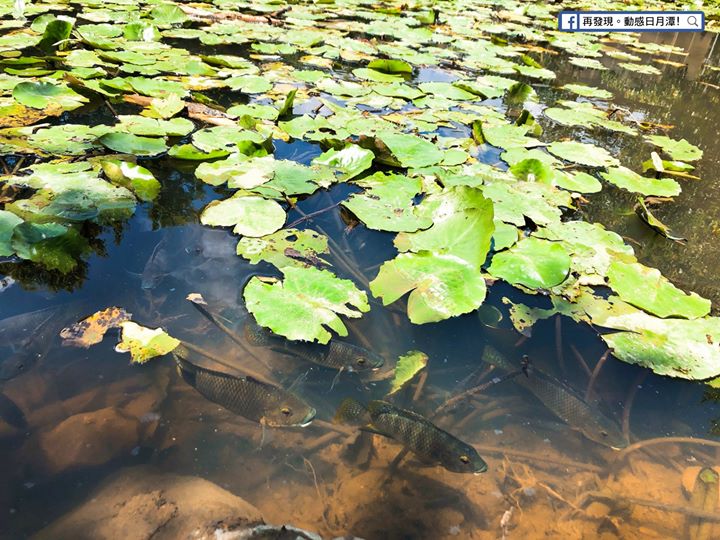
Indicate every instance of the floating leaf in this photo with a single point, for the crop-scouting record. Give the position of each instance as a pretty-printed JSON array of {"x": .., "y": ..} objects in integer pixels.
[
  {"x": 348, "y": 162},
  {"x": 462, "y": 226},
  {"x": 305, "y": 303},
  {"x": 680, "y": 150},
  {"x": 624, "y": 178},
  {"x": 42, "y": 94},
  {"x": 442, "y": 286},
  {"x": 387, "y": 203},
  {"x": 286, "y": 247},
  {"x": 408, "y": 366},
  {"x": 55, "y": 35},
  {"x": 127, "y": 143},
  {"x": 92, "y": 329},
  {"x": 133, "y": 176},
  {"x": 582, "y": 153},
  {"x": 250, "y": 215},
  {"x": 390, "y": 66},
  {"x": 534, "y": 263},
  {"x": 8, "y": 222},
  {"x": 410, "y": 150},
  {"x": 647, "y": 289},
  {"x": 144, "y": 343},
  {"x": 587, "y": 91}
]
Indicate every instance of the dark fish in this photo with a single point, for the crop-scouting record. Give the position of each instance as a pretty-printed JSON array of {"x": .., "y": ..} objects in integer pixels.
[
  {"x": 156, "y": 268},
  {"x": 337, "y": 354},
  {"x": 262, "y": 402},
  {"x": 415, "y": 432},
  {"x": 26, "y": 337},
  {"x": 563, "y": 402},
  {"x": 11, "y": 413}
]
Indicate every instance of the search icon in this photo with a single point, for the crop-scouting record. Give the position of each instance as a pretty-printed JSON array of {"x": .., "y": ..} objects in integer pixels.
[{"x": 692, "y": 21}]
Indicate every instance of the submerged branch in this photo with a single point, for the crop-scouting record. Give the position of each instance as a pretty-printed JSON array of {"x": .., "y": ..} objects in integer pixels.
[{"x": 664, "y": 440}]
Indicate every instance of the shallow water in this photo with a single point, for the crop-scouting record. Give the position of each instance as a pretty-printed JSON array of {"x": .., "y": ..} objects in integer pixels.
[{"x": 539, "y": 468}]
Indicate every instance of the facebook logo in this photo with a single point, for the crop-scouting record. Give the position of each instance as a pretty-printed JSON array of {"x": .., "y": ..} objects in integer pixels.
[{"x": 569, "y": 21}]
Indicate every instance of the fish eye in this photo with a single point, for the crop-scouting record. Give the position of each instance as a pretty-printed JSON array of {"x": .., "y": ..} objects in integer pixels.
[
  {"x": 464, "y": 459},
  {"x": 286, "y": 411},
  {"x": 361, "y": 361}
]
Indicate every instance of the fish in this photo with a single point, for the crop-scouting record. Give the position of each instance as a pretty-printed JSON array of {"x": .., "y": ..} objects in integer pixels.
[
  {"x": 26, "y": 338},
  {"x": 563, "y": 402},
  {"x": 418, "y": 434},
  {"x": 261, "y": 402},
  {"x": 11, "y": 413},
  {"x": 337, "y": 354},
  {"x": 156, "y": 267}
]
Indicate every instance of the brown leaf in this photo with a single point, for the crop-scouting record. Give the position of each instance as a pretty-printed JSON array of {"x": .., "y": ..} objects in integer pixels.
[{"x": 91, "y": 330}]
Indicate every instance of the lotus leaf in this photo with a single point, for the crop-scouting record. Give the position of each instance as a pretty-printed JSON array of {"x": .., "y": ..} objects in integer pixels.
[
  {"x": 408, "y": 366},
  {"x": 678, "y": 150},
  {"x": 533, "y": 263},
  {"x": 287, "y": 247},
  {"x": 127, "y": 143},
  {"x": 305, "y": 304},
  {"x": 144, "y": 343},
  {"x": 249, "y": 214},
  {"x": 630, "y": 180},
  {"x": 440, "y": 286},
  {"x": 647, "y": 289}
]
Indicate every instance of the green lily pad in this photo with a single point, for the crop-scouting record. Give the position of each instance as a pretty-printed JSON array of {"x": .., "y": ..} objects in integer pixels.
[
  {"x": 305, "y": 304},
  {"x": 582, "y": 153},
  {"x": 534, "y": 263},
  {"x": 407, "y": 368},
  {"x": 348, "y": 162},
  {"x": 680, "y": 150},
  {"x": 55, "y": 36},
  {"x": 41, "y": 94},
  {"x": 412, "y": 151},
  {"x": 127, "y": 143},
  {"x": 647, "y": 289},
  {"x": 144, "y": 343},
  {"x": 133, "y": 176},
  {"x": 390, "y": 66},
  {"x": 587, "y": 91},
  {"x": 8, "y": 222},
  {"x": 387, "y": 203},
  {"x": 440, "y": 286},
  {"x": 286, "y": 247},
  {"x": 630, "y": 180},
  {"x": 250, "y": 215},
  {"x": 462, "y": 226}
]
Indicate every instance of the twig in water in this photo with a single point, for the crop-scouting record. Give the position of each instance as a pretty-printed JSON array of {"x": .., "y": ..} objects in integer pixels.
[
  {"x": 581, "y": 360},
  {"x": 18, "y": 164},
  {"x": 475, "y": 390},
  {"x": 420, "y": 385},
  {"x": 558, "y": 343},
  {"x": 629, "y": 402},
  {"x": 4, "y": 166},
  {"x": 622, "y": 454},
  {"x": 595, "y": 373},
  {"x": 611, "y": 497},
  {"x": 311, "y": 215},
  {"x": 112, "y": 109}
]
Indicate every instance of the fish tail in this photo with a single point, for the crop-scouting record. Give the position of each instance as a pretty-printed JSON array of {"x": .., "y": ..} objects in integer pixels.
[
  {"x": 352, "y": 412},
  {"x": 256, "y": 334},
  {"x": 187, "y": 370}
]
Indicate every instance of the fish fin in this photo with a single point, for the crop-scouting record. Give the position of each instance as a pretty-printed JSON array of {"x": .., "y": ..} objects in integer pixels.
[
  {"x": 136, "y": 275},
  {"x": 335, "y": 380},
  {"x": 298, "y": 382},
  {"x": 351, "y": 412}
]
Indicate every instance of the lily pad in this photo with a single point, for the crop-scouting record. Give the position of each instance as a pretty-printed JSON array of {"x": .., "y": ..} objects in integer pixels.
[
  {"x": 587, "y": 91},
  {"x": 412, "y": 151},
  {"x": 387, "y": 203},
  {"x": 127, "y": 143},
  {"x": 462, "y": 226},
  {"x": 582, "y": 153},
  {"x": 250, "y": 215},
  {"x": 647, "y": 289},
  {"x": 305, "y": 304},
  {"x": 440, "y": 286},
  {"x": 286, "y": 247},
  {"x": 348, "y": 162},
  {"x": 630, "y": 180},
  {"x": 8, "y": 222},
  {"x": 408, "y": 366},
  {"x": 533, "y": 263},
  {"x": 680, "y": 150},
  {"x": 41, "y": 94}
]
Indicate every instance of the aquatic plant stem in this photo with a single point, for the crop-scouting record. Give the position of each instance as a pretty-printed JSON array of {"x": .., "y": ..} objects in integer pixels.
[
  {"x": 581, "y": 360},
  {"x": 611, "y": 497},
  {"x": 627, "y": 406},
  {"x": 595, "y": 373},
  {"x": 664, "y": 440},
  {"x": 558, "y": 344},
  {"x": 241, "y": 370},
  {"x": 474, "y": 390},
  {"x": 311, "y": 215}
]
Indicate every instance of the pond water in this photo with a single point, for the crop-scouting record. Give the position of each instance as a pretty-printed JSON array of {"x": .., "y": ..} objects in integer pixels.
[{"x": 90, "y": 414}]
